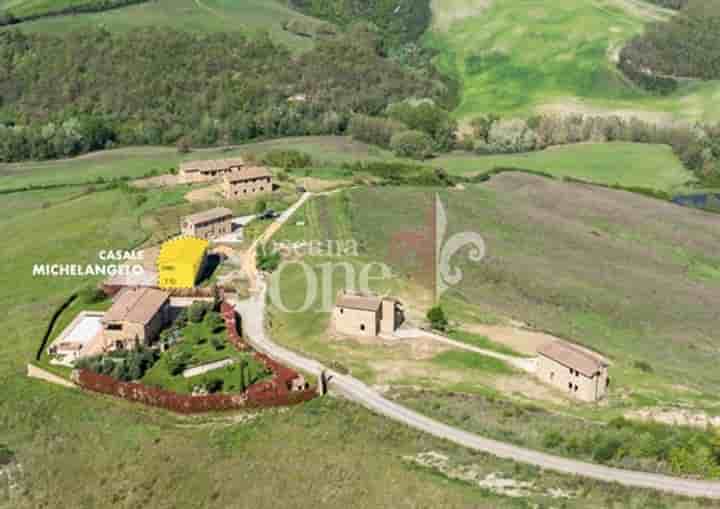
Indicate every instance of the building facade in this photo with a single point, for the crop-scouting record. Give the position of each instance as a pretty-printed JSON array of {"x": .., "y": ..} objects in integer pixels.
[
  {"x": 575, "y": 371},
  {"x": 135, "y": 319},
  {"x": 247, "y": 183},
  {"x": 363, "y": 315},
  {"x": 195, "y": 172},
  {"x": 207, "y": 225}
]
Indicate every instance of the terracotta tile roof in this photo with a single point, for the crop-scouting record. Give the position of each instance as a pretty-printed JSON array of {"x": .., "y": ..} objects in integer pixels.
[
  {"x": 136, "y": 306},
  {"x": 212, "y": 164},
  {"x": 208, "y": 215},
  {"x": 363, "y": 302},
  {"x": 251, "y": 172},
  {"x": 573, "y": 357}
]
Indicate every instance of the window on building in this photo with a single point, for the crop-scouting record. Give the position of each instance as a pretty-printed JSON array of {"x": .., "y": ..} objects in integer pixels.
[
  {"x": 114, "y": 326},
  {"x": 576, "y": 387},
  {"x": 342, "y": 310},
  {"x": 552, "y": 375},
  {"x": 362, "y": 327},
  {"x": 570, "y": 385}
]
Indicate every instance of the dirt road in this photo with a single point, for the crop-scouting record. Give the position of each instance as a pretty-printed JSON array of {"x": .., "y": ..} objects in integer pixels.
[{"x": 252, "y": 311}]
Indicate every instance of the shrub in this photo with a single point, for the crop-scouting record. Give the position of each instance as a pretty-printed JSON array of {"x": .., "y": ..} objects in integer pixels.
[
  {"x": 436, "y": 317},
  {"x": 267, "y": 259},
  {"x": 553, "y": 439},
  {"x": 214, "y": 385},
  {"x": 643, "y": 366},
  {"x": 6, "y": 455},
  {"x": 260, "y": 206},
  {"x": 413, "y": 144},
  {"x": 218, "y": 343},
  {"x": 287, "y": 159},
  {"x": 91, "y": 295},
  {"x": 606, "y": 448},
  {"x": 214, "y": 321},
  {"x": 196, "y": 311},
  {"x": 373, "y": 130},
  {"x": 177, "y": 362}
]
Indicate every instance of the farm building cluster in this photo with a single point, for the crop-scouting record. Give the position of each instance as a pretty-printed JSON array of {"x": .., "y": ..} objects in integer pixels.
[{"x": 239, "y": 180}]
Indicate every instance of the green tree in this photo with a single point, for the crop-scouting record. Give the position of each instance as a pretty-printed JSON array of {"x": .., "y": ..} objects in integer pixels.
[
  {"x": 436, "y": 317},
  {"x": 267, "y": 259},
  {"x": 260, "y": 206},
  {"x": 413, "y": 144},
  {"x": 196, "y": 311}
]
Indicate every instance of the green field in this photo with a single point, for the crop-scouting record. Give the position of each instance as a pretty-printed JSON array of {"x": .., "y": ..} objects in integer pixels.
[
  {"x": 629, "y": 164},
  {"x": 520, "y": 57},
  {"x": 196, "y": 15}
]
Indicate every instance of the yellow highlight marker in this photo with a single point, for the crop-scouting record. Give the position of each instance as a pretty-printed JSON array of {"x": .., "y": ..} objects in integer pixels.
[{"x": 181, "y": 262}]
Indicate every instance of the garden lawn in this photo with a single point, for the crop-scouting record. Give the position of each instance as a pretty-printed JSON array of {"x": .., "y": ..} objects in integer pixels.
[{"x": 202, "y": 344}]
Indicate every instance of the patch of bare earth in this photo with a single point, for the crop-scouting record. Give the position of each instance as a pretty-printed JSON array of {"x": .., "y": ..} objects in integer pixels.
[
  {"x": 496, "y": 482},
  {"x": 574, "y": 106},
  {"x": 520, "y": 339},
  {"x": 675, "y": 417},
  {"x": 316, "y": 185},
  {"x": 205, "y": 194},
  {"x": 529, "y": 388},
  {"x": 158, "y": 181},
  {"x": 446, "y": 13},
  {"x": 639, "y": 8}
]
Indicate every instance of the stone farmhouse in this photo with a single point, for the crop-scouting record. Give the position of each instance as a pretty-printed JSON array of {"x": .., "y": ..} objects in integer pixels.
[
  {"x": 209, "y": 224},
  {"x": 363, "y": 315},
  {"x": 193, "y": 172},
  {"x": 136, "y": 318},
  {"x": 576, "y": 371},
  {"x": 249, "y": 182}
]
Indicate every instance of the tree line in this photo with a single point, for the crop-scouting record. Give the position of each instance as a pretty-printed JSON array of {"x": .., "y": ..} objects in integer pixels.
[
  {"x": 686, "y": 46},
  {"x": 420, "y": 130},
  {"x": 62, "y": 95}
]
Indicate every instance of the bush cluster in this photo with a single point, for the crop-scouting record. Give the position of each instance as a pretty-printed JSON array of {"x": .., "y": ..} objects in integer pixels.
[
  {"x": 685, "y": 451},
  {"x": 124, "y": 365}
]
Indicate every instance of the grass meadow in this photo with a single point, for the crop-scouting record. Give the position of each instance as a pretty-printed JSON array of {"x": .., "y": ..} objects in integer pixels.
[
  {"x": 194, "y": 15},
  {"x": 520, "y": 57}
]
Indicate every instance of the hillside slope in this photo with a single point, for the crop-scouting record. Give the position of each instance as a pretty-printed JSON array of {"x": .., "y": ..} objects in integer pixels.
[{"x": 559, "y": 56}]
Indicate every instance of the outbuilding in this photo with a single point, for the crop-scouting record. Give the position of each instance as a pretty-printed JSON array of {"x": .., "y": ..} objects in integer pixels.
[
  {"x": 576, "y": 371},
  {"x": 208, "y": 224},
  {"x": 366, "y": 315}
]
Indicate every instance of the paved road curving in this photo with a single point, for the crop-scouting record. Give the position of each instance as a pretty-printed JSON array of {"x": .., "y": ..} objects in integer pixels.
[{"x": 253, "y": 316}]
